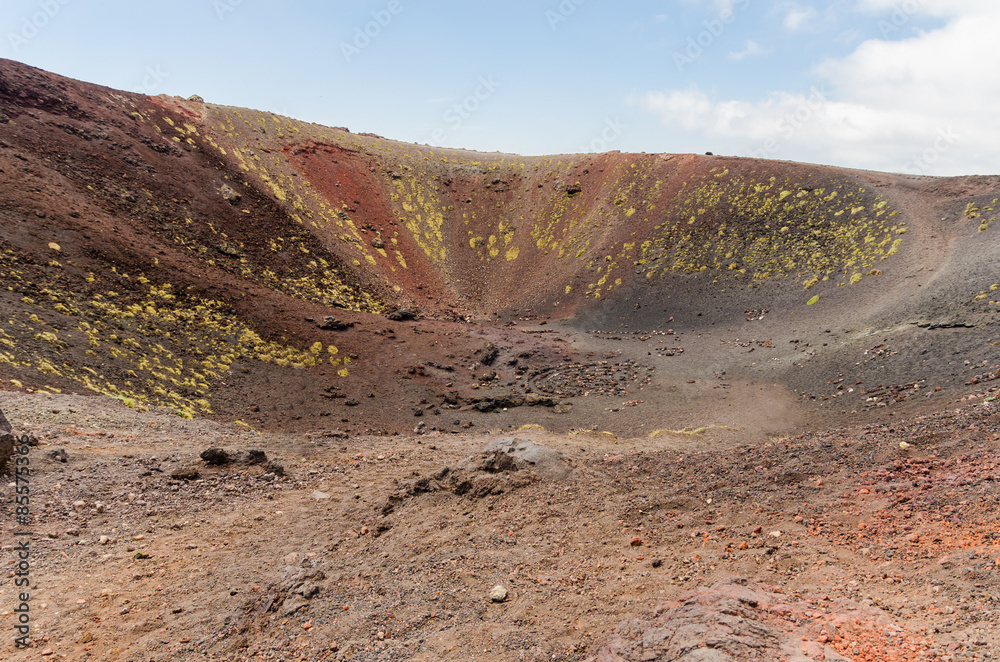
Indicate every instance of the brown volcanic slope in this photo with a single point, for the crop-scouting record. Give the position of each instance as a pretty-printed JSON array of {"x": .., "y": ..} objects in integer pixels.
[{"x": 179, "y": 254}]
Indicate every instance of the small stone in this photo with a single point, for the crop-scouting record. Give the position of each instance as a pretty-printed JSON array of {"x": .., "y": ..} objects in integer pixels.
[
  {"x": 333, "y": 324},
  {"x": 104, "y": 540},
  {"x": 228, "y": 249},
  {"x": 79, "y": 505},
  {"x": 319, "y": 496},
  {"x": 402, "y": 314},
  {"x": 229, "y": 194},
  {"x": 59, "y": 455},
  {"x": 498, "y": 594},
  {"x": 185, "y": 473},
  {"x": 636, "y": 542}
]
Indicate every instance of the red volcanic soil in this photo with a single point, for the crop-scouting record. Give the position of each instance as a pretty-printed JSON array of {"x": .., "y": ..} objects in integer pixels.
[{"x": 681, "y": 328}]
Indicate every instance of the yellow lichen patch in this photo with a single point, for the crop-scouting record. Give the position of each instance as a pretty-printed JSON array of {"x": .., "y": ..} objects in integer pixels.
[
  {"x": 424, "y": 214},
  {"x": 782, "y": 231},
  {"x": 148, "y": 348}
]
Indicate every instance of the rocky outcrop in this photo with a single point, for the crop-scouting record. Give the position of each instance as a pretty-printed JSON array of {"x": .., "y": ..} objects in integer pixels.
[{"x": 736, "y": 620}]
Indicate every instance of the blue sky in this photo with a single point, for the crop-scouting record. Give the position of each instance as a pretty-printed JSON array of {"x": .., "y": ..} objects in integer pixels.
[{"x": 899, "y": 85}]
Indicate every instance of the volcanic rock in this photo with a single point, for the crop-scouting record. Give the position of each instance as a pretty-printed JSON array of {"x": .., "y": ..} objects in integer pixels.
[
  {"x": 727, "y": 622},
  {"x": 216, "y": 456},
  {"x": 220, "y": 457},
  {"x": 489, "y": 354},
  {"x": 403, "y": 314},
  {"x": 229, "y": 194},
  {"x": 334, "y": 324},
  {"x": 6, "y": 450},
  {"x": 508, "y": 454},
  {"x": 59, "y": 455},
  {"x": 4, "y": 424},
  {"x": 6, "y": 442},
  {"x": 189, "y": 472}
]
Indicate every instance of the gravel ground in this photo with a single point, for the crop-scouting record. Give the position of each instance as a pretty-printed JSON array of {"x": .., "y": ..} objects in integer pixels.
[{"x": 368, "y": 549}]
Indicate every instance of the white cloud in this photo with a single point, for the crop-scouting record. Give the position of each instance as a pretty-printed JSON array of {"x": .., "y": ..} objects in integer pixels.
[
  {"x": 661, "y": 18},
  {"x": 940, "y": 8},
  {"x": 887, "y": 105},
  {"x": 797, "y": 17},
  {"x": 750, "y": 49}
]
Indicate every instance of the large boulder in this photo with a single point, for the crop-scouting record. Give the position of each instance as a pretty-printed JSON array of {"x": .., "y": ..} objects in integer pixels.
[
  {"x": 512, "y": 454},
  {"x": 736, "y": 620},
  {"x": 222, "y": 457}
]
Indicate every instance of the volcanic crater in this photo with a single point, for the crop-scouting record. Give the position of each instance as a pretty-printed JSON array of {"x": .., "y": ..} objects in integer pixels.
[{"x": 726, "y": 353}]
